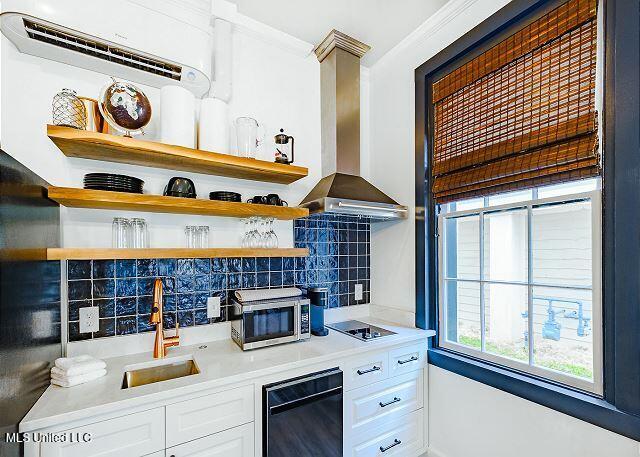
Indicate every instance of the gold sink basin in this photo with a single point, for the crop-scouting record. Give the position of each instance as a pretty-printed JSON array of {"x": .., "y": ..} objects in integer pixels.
[{"x": 159, "y": 373}]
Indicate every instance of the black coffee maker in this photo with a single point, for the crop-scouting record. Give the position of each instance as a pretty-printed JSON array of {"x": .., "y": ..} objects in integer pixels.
[{"x": 318, "y": 298}]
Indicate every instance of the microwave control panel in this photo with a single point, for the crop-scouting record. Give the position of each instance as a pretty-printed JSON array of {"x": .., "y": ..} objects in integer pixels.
[{"x": 304, "y": 321}]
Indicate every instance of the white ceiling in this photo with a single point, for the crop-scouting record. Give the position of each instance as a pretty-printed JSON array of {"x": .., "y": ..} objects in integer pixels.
[{"x": 379, "y": 23}]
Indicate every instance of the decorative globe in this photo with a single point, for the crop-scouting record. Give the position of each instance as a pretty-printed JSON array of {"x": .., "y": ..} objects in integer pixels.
[{"x": 125, "y": 107}]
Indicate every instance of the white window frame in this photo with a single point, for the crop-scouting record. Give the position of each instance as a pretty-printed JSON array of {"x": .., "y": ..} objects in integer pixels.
[{"x": 595, "y": 386}]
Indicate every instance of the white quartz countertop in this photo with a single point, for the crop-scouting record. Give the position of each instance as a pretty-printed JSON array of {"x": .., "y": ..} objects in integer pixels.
[{"x": 220, "y": 363}]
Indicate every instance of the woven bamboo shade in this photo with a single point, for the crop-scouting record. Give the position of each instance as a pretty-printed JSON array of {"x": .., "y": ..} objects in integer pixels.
[{"x": 522, "y": 114}]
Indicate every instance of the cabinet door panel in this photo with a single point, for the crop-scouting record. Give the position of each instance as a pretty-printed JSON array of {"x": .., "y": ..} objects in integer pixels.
[
  {"x": 235, "y": 442},
  {"x": 403, "y": 436},
  {"x": 406, "y": 359},
  {"x": 366, "y": 369},
  {"x": 132, "y": 435}
]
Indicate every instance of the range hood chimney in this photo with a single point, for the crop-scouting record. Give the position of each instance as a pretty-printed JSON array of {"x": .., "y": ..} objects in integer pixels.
[{"x": 342, "y": 190}]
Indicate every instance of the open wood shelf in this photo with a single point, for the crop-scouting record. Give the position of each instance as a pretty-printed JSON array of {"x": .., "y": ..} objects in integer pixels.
[
  {"x": 113, "y": 148},
  {"x": 168, "y": 253},
  {"x": 102, "y": 199}
]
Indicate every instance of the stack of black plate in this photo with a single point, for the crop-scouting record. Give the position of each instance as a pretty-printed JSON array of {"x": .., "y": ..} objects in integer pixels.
[
  {"x": 112, "y": 182},
  {"x": 225, "y": 196}
]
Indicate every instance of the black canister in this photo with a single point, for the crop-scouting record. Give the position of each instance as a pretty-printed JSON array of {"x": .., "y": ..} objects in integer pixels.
[{"x": 318, "y": 298}]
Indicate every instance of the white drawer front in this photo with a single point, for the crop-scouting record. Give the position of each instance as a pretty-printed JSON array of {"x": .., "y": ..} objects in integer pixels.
[
  {"x": 377, "y": 403},
  {"x": 403, "y": 436},
  {"x": 202, "y": 416},
  {"x": 133, "y": 435},
  {"x": 235, "y": 442},
  {"x": 406, "y": 359},
  {"x": 367, "y": 369}
]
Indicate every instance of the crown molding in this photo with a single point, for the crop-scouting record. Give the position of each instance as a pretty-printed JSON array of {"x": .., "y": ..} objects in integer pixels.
[{"x": 337, "y": 39}]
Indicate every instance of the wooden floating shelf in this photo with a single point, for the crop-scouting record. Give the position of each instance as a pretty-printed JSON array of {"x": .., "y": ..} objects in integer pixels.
[
  {"x": 113, "y": 148},
  {"x": 102, "y": 199},
  {"x": 168, "y": 253}
]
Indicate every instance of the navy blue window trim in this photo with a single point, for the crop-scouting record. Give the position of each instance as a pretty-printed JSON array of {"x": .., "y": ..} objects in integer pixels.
[{"x": 619, "y": 409}]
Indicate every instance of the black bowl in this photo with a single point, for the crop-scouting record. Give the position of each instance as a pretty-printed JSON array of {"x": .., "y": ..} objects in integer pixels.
[{"x": 180, "y": 187}]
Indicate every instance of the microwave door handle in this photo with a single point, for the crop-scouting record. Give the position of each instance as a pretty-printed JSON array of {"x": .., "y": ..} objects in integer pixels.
[{"x": 297, "y": 323}]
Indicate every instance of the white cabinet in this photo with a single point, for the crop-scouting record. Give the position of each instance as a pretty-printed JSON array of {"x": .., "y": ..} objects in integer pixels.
[
  {"x": 378, "y": 403},
  {"x": 235, "y": 442},
  {"x": 403, "y": 436},
  {"x": 406, "y": 359},
  {"x": 132, "y": 435},
  {"x": 202, "y": 416},
  {"x": 367, "y": 369}
]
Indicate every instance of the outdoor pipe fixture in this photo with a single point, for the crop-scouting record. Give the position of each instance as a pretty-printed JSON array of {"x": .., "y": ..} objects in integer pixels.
[{"x": 161, "y": 342}]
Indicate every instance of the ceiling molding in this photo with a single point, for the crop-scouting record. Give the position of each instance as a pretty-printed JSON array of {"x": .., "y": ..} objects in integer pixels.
[
  {"x": 428, "y": 28},
  {"x": 251, "y": 27}
]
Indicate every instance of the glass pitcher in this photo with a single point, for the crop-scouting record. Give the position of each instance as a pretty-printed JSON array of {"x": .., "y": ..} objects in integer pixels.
[{"x": 248, "y": 136}]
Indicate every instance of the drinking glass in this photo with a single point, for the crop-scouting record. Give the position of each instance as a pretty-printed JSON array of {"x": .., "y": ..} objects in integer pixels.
[
  {"x": 121, "y": 233},
  {"x": 140, "y": 233},
  {"x": 190, "y": 232},
  {"x": 247, "y": 134},
  {"x": 271, "y": 237},
  {"x": 202, "y": 236}
]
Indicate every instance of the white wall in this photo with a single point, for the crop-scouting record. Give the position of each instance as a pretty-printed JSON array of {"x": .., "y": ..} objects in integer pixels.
[
  {"x": 271, "y": 83},
  {"x": 466, "y": 417}
]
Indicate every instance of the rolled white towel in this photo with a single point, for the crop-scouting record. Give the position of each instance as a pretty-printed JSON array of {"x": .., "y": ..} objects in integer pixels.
[
  {"x": 71, "y": 381},
  {"x": 247, "y": 295},
  {"x": 78, "y": 365}
]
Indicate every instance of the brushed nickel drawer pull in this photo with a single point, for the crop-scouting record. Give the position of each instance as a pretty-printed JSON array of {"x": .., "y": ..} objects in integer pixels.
[
  {"x": 395, "y": 443},
  {"x": 361, "y": 372},
  {"x": 412, "y": 359},
  {"x": 395, "y": 400}
]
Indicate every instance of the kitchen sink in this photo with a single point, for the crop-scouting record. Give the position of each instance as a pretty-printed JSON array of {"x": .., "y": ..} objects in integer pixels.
[{"x": 159, "y": 373}]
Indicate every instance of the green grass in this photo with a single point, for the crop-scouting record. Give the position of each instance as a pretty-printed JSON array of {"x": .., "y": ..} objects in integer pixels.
[{"x": 521, "y": 354}]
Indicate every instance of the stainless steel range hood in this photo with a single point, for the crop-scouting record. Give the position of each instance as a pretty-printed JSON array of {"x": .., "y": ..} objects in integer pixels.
[{"x": 343, "y": 190}]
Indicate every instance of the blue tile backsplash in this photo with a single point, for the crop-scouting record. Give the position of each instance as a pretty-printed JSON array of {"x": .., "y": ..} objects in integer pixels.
[{"x": 338, "y": 259}]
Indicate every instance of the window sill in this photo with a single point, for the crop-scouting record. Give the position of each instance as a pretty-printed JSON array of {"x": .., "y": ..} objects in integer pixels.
[{"x": 576, "y": 404}]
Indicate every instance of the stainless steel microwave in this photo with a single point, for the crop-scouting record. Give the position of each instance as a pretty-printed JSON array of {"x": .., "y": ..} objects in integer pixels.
[{"x": 264, "y": 323}]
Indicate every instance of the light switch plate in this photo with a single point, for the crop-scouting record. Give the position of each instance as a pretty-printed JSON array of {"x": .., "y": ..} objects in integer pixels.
[
  {"x": 213, "y": 307},
  {"x": 358, "y": 292},
  {"x": 89, "y": 319}
]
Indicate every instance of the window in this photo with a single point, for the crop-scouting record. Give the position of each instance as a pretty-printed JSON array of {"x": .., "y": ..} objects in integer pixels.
[{"x": 519, "y": 282}]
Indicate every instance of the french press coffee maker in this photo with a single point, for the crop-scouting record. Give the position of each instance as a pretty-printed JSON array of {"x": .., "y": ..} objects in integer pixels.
[{"x": 284, "y": 149}]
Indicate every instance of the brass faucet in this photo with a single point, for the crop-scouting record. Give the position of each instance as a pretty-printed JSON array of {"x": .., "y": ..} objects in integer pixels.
[{"x": 162, "y": 343}]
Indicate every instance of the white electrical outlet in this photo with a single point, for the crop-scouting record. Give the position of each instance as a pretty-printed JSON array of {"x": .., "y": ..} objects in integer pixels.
[
  {"x": 358, "y": 292},
  {"x": 89, "y": 319},
  {"x": 213, "y": 307}
]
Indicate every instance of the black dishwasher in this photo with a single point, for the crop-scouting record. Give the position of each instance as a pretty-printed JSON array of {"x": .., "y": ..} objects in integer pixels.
[{"x": 303, "y": 416}]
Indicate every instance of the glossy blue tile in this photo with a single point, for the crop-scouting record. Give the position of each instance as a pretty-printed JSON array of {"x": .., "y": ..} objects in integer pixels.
[
  {"x": 301, "y": 277},
  {"x": 249, "y": 264},
  {"x": 104, "y": 268},
  {"x": 79, "y": 290},
  {"x": 262, "y": 279},
  {"x": 125, "y": 268},
  {"x": 74, "y": 332},
  {"x": 275, "y": 279},
  {"x": 126, "y": 325},
  {"x": 200, "y": 317},
  {"x": 107, "y": 327},
  {"x": 185, "y": 267},
  {"x": 333, "y": 275},
  {"x": 333, "y": 249},
  {"x": 168, "y": 285},
  {"x": 147, "y": 267},
  {"x": 201, "y": 283},
  {"x": 126, "y": 306},
  {"x": 126, "y": 287},
  {"x": 219, "y": 265},
  {"x": 184, "y": 301},
  {"x": 167, "y": 267},
  {"x": 234, "y": 264},
  {"x": 300, "y": 263},
  {"x": 202, "y": 266},
  {"x": 312, "y": 277},
  {"x": 275, "y": 263},
  {"x": 106, "y": 306},
  {"x": 185, "y": 318},
  {"x": 74, "y": 307},
  {"x": 334, "y": 301},
  {"x": 145, "y": 286},
  {"x": 248, "y": 280},
  {"x": 169, "y": 303},
  {"x": 333, "y": 288},
  {"x": 200, "y": 300},
  {"x": 262, "y": 264},
  {"x": 184, "y": 284},
  {"x": 143, "y": 323},
  {"x": 169, "y": 320},
  {"x": 223, "y": 297},
  {"x": 234, "y": 281},
  {"x": 322, "y": 236},
  {"x": 79, "y": 269},
  {"x": 288, "y": 263},
  {"x": 104, "y": 288},
  {"x": 145, "y": 303},
  {"x": 288, "y": 278},
  {"x": 218, "y": 281}
]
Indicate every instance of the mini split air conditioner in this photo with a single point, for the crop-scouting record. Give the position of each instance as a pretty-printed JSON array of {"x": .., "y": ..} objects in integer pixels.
[{"x": 121, "y": 38}]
